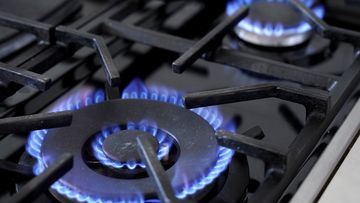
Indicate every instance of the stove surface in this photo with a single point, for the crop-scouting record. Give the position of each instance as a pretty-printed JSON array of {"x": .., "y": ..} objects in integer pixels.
[{"x": 171, "y": 101}]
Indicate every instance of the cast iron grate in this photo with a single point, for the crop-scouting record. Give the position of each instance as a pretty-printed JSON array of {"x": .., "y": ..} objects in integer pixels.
[
  {"x": 52, "y": 35},
  {"x": 322, "y": 104}
]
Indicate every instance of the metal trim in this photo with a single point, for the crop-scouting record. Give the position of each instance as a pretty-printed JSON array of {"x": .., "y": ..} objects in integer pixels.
[{"x": 312, "y": 187}]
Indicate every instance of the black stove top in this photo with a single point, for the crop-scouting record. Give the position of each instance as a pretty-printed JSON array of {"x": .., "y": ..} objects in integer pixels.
[{"x": 171, "y": 101}]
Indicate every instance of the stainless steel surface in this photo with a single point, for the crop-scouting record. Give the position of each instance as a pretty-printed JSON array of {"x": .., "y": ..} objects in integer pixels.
[
  {"x": 312, "y": 187},
  {"x": 345, "y": 185}
]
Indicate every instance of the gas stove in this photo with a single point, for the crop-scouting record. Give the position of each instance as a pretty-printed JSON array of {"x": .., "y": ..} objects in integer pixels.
[{"x": 175, "y": 101}]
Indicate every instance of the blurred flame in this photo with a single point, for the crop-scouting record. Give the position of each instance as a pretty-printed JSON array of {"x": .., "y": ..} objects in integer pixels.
[{"x": 270, "y": 29}]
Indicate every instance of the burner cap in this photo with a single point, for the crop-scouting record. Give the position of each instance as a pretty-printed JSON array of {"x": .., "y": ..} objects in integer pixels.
[
  {"x": 273, "y": 23},
  {"x": 122, "y": 146}
]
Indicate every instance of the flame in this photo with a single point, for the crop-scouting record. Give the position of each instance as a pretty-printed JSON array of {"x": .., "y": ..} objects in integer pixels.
[
  {"x": 270, "y": 29},
  {"x": 146, "y": 126},
  {"x": 135, "y": 90}
]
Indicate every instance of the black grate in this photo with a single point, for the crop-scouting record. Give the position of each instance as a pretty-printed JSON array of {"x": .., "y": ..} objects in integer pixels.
[
  {"x": 321, "y": 94},
  {"x": 321, "y": 109},
  {"x": 54, "y": 34}
]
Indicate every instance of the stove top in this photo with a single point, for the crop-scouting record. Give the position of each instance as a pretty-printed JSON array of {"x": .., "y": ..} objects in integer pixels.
[{"x": 171, "y": 101}]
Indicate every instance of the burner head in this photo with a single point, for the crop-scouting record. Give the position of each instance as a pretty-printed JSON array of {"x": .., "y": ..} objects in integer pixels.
[
  {"x": 196, "y": 143},
  {"x": 162, "y": 140},
  {"x": 122, "y": 146},
  {"x": 190, "y": 132},
  {"x": 273, "y": 23}
]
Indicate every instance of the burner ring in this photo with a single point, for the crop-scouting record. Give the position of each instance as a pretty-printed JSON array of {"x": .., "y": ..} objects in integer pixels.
[
  {"x": 282, "y": 27},
  {"x": 199, "y": 146}
]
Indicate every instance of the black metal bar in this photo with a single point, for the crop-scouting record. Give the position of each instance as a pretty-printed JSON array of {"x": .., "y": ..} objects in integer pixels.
[
  {"x": 111, "y": 72},
  {"x": 349, "y": 79},
  {"x": 340, "y": 95},
  {"x": 15, "y": 171},
  {"x": 319, "y": 25},
  {"x": 234, "y": 58},
  {"x": 156, "y": 171},
  {"x": 255, "y": 132},
  {"x": 41, "y": 183},
  {"x": 315, "y": 127},
  {"x": 14, "y": 142},
  {"x": 291, "y": 117},
  {"x": 34, "y": 122},
  {"x": 63, "y": 12},
  {"x": 112, "y": 92},
  {"x": 270, "y": 191},
  {"x": 39, "y": 29},
  {"x": 69, "y": 35},
  {"x": 273, "y": 68},
  {"x": 323, "y": 28},
  {"x": 66, "y": 35},
  {"x": 252, "y": 147},
  {"x": 314, "y": 100},
  {"x": 191, "y": 55},
  {"x": 40, "y": 60},
  {"x": 149, "y": 37},
  {"x": 24, "y": 77},
  {"x": 48, "y": 57}
]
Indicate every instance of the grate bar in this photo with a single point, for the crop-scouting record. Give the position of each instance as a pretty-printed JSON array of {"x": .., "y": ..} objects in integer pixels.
[
  {"x": 235, "y": 59},
  {"x": 24, "y": 77},
  {"x": 215, "y": 35},
  {"x": 314, "y": 101},
  {"x": 252, "y": 147},
  {"x": 15, "y": 171},
  {"x": 156, "y": 171},
  {"x": 28, "y": 123},
  {"x": 325, "y": 30},
  {"x": 41, "y": 183}
]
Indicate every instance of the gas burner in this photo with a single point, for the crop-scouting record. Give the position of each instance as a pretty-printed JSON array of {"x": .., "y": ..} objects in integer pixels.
[
  {"x": 116, "y": 146},
  {"x": 282, "y": 27},
  {"x": 107, "y": 125}
]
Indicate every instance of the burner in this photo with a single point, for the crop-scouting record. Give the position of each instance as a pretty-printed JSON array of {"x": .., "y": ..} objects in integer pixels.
[
  {"x": 101, "y": 142},
  {"x": 112, "y": 126},
  {"x": 282, "y": 27}
]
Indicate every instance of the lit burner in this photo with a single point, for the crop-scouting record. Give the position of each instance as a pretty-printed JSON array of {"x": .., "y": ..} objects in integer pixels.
[
  {"x": 113, "y": 121},
  {"x": 273, "y": 23},
  {"x": 109, "y": 159}
]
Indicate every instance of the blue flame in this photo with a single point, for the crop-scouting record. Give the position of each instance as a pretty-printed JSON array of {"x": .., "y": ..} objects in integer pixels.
[
  {"x": 136, "y": 90},
  {"x": 224, "y": 159},
  {"x": 164, "y": 144},
  {"x": 270, "y": 29}
]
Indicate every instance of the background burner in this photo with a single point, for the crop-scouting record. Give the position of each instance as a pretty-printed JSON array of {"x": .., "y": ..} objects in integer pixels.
[{"x": 273, "y": 23}]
